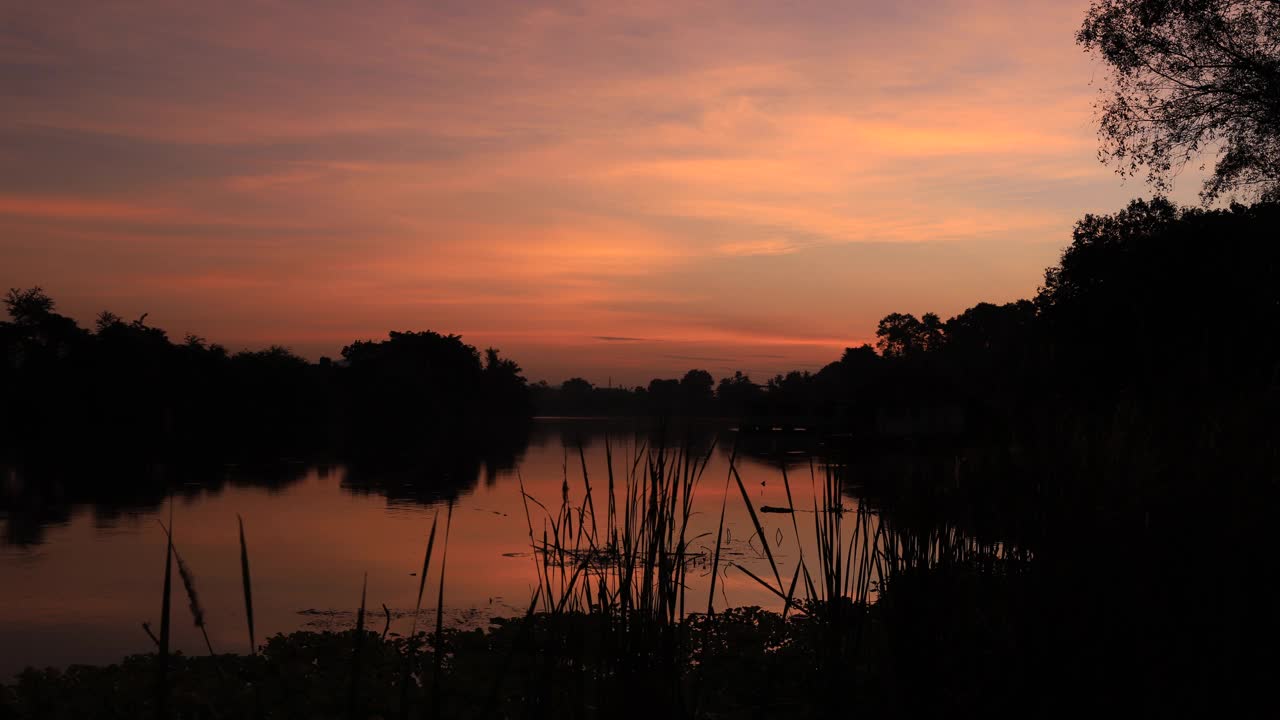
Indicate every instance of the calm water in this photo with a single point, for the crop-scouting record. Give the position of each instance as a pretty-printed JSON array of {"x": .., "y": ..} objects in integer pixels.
[{"x": 77, "y": 579}]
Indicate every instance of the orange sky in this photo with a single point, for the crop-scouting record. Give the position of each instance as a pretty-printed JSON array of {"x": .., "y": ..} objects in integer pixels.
[{"x": 615, "y": 190}]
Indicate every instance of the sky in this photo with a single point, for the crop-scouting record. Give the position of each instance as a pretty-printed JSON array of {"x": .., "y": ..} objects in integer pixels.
[{"x": 612, "y": 190}]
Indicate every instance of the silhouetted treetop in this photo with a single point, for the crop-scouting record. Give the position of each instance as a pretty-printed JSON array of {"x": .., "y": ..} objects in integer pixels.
[
  {"x": 1103, "y": 245},
  {"x": 903, "y": 335},
  {"x": 415, "y": 352},
  {"x": 1191, "y": 76},
  {"x": 990, "y": 328},
  {"x": 697, "y": 388},
  {"x": 576, "y": 386},
  {"x": 28, "y": 307}
]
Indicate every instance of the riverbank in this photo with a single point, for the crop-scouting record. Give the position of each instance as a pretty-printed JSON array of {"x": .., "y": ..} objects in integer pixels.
[{"x": 744, "y": 662}]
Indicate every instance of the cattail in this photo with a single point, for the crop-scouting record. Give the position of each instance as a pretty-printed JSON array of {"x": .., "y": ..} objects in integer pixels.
[{"x": 193, "y": 597}]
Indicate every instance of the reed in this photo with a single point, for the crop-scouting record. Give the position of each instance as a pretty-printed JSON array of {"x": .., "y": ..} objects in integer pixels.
[
  {"x": 353, "y": 704},
  {"x": 411, "y": 647},
  {"x": 764, "y": 541},
  {"x": 422, "y": 578},
  {"x": 715, "y": 562},
  {"x": 193, "y": 597},
  {"x": 437, "y": 674},
  {"x": 162, "y": 656},
  {"x": 616, "y": 580},
  {"x": 635, "y": 566},
  {"x": 248, "y": 587}
]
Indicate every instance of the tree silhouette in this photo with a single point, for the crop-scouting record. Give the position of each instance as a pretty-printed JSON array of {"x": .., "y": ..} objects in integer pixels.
[
  {"x": 28, "y": 307},
  {"x": 576, "y": 387},
  {"x": 1156, "y": 289},
  {"x": 988, "y": 329},
  {"x": 1191, "y": 76},
  {"x": 505, "y": 388},
  {"x": 900, "y": 335},
  {"x": 931, "y": 332},
  {"x": 737, "y": 394},
  {"x": 697, "y": 388},
  {"x": 126, "y": 390},
  {"x": 664, "y": 394}
]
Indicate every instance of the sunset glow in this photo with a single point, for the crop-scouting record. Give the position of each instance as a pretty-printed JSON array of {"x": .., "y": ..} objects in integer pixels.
[{"x": 610, "y": 190}]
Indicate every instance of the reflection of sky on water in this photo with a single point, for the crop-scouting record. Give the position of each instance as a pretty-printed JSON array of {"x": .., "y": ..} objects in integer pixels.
[{"x": 82, "y": 593}]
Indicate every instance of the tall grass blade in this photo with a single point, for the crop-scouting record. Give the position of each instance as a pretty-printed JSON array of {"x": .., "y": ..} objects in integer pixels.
[
  {"x": 538, "y": 568},
  {"x": 162, "y": 658},
  {"x": 413, "y": 631},
  {"x": 248, "y": 587},
  {"x": 354, "y": 702},
  {"x": 146, "y": 627},
  {"x": 422, "y": 580},
  {"x": 791, "y": 593},
  {"x": 755, "y": 521},
  {"x": 439, "y": 643},
  {"x": 590, "y": 503},
  {"x": 715, "y": 561},
  {"x": 795, "y": 526},
  {"x": 763, "y": 583}
]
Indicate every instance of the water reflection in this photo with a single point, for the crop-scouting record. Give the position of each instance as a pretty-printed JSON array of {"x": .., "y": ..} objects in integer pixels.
[
  {"x": 35, "y": 497},
  {"x": 81, "y": 565}
]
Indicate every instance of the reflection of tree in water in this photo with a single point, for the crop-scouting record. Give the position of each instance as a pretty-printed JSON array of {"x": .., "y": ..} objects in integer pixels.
[
  {"x": 448, "y": 469},
  {"x": 772, "y": 447},
  {"x": 793, "y": 446},
  {"x": 682, "y": 433},
  {"x": 35, "y": 497}
]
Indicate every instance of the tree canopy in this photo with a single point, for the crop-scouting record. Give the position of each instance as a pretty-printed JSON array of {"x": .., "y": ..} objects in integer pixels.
[{"x": 1191, "y": 77}]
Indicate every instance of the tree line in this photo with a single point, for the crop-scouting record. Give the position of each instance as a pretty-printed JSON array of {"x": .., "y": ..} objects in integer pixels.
[
  {"x": 124, "y": 388},
  {"x": 1155, "y": 303}
]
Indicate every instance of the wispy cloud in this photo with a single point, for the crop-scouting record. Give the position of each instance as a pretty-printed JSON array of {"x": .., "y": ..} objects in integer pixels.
[
  {"x": 758, "y": 247},
  {"x": 700, "y": 358},
  {"x": 695, "y": 173}
]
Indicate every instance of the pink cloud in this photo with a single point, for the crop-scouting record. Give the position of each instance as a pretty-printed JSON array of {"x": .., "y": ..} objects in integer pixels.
[{"x": 687, "y": 172}]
